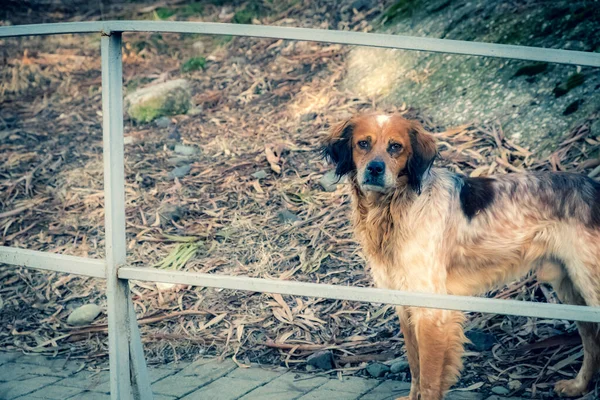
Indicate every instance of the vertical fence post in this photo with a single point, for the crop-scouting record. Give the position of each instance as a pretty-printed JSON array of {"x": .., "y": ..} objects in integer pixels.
[{"x": 128, "y": 374}]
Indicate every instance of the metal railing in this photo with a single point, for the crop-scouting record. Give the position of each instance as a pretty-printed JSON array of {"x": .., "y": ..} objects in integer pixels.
[{"x": 128, "y": 373}]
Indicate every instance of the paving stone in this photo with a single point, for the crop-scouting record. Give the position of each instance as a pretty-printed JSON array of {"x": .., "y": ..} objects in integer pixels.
[
  {"x": 351, "y": 384},
  {"x": 224, "y": 389},
  {"x": 461, "y": 395},
  {"x": 156, "y": 374},
  {"x": 55, "y": 392},
  {"x": 88, "y": 380},
  {"x": 287, "y": 386},
  {"x": 163, "y": 397},
  {"x": 58, "y": 365},
  {"x": 9, "y": 357},
  {"x": 256, "y": 374},
  {"x": 388, "y": 390},
  {"x": 91, "y": 396},
  {"x": 16, "y": 371},
  {"x": 322, "y": 394},
  {"x": 16, "y": 388},
  {"x": 193, "y": 377}
]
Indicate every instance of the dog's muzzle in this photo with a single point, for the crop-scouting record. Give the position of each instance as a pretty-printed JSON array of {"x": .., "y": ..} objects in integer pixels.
[{"x": 374, "y": 174}]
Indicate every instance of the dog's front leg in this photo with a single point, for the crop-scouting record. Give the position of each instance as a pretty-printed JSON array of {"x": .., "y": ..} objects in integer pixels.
[
  {"x": 440, "y": 339},
  {"x": 412, "y": 351}
]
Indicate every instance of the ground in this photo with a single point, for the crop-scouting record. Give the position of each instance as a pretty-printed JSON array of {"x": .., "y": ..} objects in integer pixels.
[
  {"x": 231, "y": 188},
  {"x": 38, "y": 377}
]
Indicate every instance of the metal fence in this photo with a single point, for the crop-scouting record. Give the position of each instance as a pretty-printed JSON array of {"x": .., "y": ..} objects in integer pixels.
[{"x": 128, "y": 373}]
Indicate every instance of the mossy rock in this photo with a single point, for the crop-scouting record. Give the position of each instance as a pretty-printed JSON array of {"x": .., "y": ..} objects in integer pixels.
[{"x": 168, "y": 98}]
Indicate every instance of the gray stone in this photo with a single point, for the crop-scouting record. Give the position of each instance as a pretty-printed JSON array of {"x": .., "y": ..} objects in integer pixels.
[
  {"x": 480, "y": 341},
  {"x": 127, "y": 140},
  {"x": 322, "y": 360},
  {"x": 500, "y": 390},
  {"x": 260, "y": 174},
  {"x": 186, "y": 150},
  {"x": 377, "y": 370},
  {"x": 388, "y": 390},
  {"x": 262, "y": 375},
  {"x": 287, "y": 386},
  {"x": 179, "y": 172},
  {"x": 350, "y": 384},
  {"x": 31, "y": 383},
  {"x": 55, "y": 392},
  {"x": 224, "y": 389},
  {"x": 163, "y": 99},
  {"x": 287, "y": 216},
  {"x": 93, "y": 396},
  {"x": 330, "y": 181},
  {"x": 399, "y": 366},
  {"x": 9, "y": 357},
  {"x": 88, "y": 380},
  {"x": 308, "y": 117},
  {"x": 84, "y": 315},
  {"x": 462, "y": 395},
  {"x": 322, "y": 394},
  {"x": 163, "y": 122},
  {"x": 193, "y": 377}
]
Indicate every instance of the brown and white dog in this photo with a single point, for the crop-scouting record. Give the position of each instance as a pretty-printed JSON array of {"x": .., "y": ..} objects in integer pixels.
[{"x": 430, "y": 230}]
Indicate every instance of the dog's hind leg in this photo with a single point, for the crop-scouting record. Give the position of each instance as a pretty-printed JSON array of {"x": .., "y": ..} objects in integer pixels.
[
  {"x": 412, "y": 351},
  {"x": 590, "y": 332}
]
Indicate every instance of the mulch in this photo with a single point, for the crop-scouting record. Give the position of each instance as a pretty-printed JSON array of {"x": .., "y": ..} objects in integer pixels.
[{"x": 263, "y": 105}]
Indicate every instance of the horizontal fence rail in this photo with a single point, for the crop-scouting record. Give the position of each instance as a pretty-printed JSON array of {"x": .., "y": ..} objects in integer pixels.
[
  {"x": 317, "y": 35},
  {"x": 52, "y": 262},
  {"x": 129, "y": 378},
  {"x": 395, "y": 297}
]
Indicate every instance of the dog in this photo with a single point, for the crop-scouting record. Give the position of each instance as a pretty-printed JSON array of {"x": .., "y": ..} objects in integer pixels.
[{"x": 427, "y": 229}]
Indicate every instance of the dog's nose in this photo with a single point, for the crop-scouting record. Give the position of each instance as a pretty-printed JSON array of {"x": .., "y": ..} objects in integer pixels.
[{"x": 376, "y": 168}]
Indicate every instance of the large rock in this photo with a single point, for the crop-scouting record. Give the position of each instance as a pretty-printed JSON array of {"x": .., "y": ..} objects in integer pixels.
[
  {"x": 536, "y": 104},
  {"x": 84, "y": 315},
  {"x": 168, "y": 98}
]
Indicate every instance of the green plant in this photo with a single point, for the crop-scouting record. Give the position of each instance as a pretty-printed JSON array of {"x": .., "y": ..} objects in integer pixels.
[{"x": 193, "y": 64}]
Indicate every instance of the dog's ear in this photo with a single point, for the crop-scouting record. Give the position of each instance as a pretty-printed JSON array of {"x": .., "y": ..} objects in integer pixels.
[
  {"x": 338, "y": 148},
  {"x": 424, "y": 152}
]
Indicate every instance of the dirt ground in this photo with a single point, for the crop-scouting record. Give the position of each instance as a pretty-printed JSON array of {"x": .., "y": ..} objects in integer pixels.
[{"x": 252, "y": 97}]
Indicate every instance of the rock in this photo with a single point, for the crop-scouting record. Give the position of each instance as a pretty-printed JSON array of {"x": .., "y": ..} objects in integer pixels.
[
  {"x": 185, "y": 150},
  {"x": 400, "y": 366},
  {"x": 514, "y": 384},
  {"x": 169, "y": 212},
  {"x": 198, "y": 48},
  {"x": 168, "y": 98},
  {"x": 308, "y": 117},
  {"x": 163, "y": 122},
  {"x": 330, "y": 180},
  {"x": 260, "y": 174},
  {"x": 84, "y": 315},
  {"x": 377, "y": 370},
  {"x": 176, "y": 161},
  {"x": 180, "y": 172},
  {"x": 287, "y": 216},
  {"x": 480, "y": 341},
  {"x": 128, "y": 140},
  {"x": 500, "y": 390},
  {"x": 322, "y": 360}
]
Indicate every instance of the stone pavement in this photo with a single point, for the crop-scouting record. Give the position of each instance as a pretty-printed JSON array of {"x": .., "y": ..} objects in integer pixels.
[{"x": 38, "y": 377}]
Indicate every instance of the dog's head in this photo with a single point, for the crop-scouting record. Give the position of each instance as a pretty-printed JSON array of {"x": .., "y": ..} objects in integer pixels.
[{"x": 383, "y": 152}]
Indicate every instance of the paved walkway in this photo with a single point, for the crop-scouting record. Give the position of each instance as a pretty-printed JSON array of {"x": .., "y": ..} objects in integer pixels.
[{"x": 38, "y": 377}]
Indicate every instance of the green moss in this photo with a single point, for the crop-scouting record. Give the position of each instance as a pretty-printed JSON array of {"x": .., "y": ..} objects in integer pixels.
[
  {"x": 401, "y": 9},
  {"x": 572, "y": 82},
  {"x": 193, "y": 64},
  {"x": 174, "y": 103},
  {"x": 190, "y": 10},
  {"x": 252, "y": 10},
  {"x": 532, "y": 69},
  {"x": 163, "y": 13}
]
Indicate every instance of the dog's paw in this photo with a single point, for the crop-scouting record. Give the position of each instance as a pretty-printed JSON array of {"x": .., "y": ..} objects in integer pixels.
[{"x": 570, "y": 388}]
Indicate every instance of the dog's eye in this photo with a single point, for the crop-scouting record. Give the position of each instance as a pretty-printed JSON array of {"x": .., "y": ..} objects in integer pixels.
[
  {"x": 363, "y": 144},
  {"x": 395, "y": 147}
]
